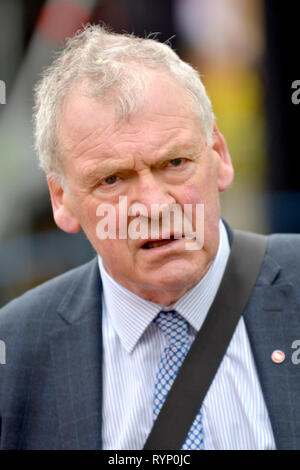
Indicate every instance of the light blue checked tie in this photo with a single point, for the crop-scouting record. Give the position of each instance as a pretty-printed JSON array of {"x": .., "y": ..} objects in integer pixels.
[{"x": 175, "y": 328}]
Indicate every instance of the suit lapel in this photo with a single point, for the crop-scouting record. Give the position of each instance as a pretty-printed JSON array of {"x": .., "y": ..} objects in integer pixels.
[
  {"x": 76, "y": 352},
  {"x": 272, "y": 323}
]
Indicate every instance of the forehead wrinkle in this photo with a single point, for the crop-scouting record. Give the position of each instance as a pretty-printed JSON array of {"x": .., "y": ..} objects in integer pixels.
[
  {"x": 76, "y": 149},
  {"x": 106, "y": 134},
  {"x": 88, "y": 137},
  {"x": 69, "y": 132}
]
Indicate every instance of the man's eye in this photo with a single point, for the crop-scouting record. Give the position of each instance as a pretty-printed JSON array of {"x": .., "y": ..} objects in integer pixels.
[
  {"x": 176, "y": 161},
  {"x": 111, "y": 179}
]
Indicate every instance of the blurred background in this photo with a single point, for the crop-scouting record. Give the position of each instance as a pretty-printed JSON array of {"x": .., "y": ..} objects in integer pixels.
[{"x": 246, "y": 53}]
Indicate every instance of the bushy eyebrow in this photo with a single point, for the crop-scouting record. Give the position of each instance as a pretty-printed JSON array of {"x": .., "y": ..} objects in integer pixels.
[{"x": 91, "y": 177}]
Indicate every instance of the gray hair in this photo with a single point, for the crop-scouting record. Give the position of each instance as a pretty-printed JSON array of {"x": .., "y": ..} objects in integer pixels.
[{"x": 109, "y": 66}]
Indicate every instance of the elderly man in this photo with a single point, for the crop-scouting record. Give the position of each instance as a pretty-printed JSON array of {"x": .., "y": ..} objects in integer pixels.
[{"x": 123, "y": 119}]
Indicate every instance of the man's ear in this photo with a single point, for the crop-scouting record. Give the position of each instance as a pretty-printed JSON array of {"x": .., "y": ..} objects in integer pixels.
[
  {"x": 61, "y": 207},
  {"x": 226, "y": 171}
]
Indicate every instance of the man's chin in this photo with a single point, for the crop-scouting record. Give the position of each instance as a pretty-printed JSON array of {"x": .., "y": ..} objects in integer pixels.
[{"x": 174, "y": 278}]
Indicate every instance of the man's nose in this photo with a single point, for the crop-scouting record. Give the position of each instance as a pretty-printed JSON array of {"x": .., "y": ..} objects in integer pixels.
[{"x": 151, "y": 191}]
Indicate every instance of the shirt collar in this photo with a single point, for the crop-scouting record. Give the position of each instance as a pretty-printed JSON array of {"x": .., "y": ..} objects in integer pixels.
[{"x": 130, "y": 314}]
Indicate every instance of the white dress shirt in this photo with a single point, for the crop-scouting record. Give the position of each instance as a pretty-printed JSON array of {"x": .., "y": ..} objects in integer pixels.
[{"x": 234, "y": 412}]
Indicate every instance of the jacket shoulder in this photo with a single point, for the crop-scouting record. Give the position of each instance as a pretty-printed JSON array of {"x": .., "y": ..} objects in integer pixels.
[
  {"x": 31, "y": 305},
  {"x": 285, "y": 249},
  {"x": 282, "y": 259}
]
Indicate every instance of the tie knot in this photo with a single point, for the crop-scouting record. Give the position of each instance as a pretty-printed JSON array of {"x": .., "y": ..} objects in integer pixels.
[{"x": 174, "y": 326}]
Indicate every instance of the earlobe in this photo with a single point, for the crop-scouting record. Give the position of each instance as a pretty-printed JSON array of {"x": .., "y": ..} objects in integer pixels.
[
  {"x": 62, "y": 212},
  {"x": 225, "y": 170}
]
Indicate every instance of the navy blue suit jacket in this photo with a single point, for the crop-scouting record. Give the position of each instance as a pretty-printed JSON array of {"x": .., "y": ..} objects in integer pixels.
[{"x": 50, "y": 386}]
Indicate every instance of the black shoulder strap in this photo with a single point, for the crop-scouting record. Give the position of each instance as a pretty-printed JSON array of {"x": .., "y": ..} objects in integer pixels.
[{"x": 209, "y": 347}]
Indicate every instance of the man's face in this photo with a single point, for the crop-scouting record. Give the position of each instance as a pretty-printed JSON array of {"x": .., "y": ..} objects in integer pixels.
[{"x": 159, "y": 156}]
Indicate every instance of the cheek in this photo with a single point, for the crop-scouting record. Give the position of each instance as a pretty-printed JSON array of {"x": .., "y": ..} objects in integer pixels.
[
  {"x": 88, "y": 211},
  {"x": 209, "y": 198},
  {"x": 90, "y": 214},
  {"x": 193, "y": 195},
  {"x": 116, "y": 257},
  {"x": 85, "y": 212}
]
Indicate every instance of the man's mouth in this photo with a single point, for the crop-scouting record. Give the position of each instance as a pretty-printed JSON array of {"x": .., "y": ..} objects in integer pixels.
[{"x": 157, "y": 243}]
